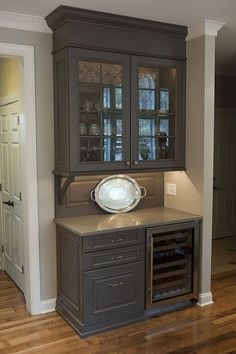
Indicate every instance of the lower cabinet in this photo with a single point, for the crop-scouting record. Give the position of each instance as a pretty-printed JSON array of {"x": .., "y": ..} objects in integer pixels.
[
  {"x": 114, "y": 291},
  {"x": 103, "y": 289},
  {"x": 110, "y": 280}
]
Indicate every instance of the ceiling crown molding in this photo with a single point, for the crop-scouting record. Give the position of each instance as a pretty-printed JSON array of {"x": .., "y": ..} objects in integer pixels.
[
  {"x": 23, "y": 22},
  {"x": 205, "y": 28}
]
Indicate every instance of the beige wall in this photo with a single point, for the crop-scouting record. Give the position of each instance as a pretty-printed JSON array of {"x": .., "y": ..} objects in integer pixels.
[
  {"x": 10, "y": 76},
  {"x": 45, "y": 150},
  {"x": 195, "y": 187}
]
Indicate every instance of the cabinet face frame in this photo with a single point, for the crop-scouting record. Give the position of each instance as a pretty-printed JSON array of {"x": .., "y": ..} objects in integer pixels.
[
  {"x": 74, "y": 55},
  {"x": 179, "y": 159}
]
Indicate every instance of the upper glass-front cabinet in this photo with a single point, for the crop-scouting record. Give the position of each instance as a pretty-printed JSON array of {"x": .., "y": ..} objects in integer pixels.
[
  {"x": 121, "y": 112},
  {"x": 102, "y": 120},
  {"x": 157, "y": 113}
]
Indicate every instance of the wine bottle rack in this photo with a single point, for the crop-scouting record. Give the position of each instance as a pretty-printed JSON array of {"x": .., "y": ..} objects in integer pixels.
[{"x": 172, "y": 263}]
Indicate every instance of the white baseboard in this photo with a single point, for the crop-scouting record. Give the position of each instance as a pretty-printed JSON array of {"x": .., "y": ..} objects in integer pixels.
[
  {"x": 205, "y": 299},
  {"x": 48, "y": 305}
]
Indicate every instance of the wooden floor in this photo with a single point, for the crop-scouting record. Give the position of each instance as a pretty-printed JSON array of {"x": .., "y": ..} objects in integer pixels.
[{"x": 211, "y": 329}]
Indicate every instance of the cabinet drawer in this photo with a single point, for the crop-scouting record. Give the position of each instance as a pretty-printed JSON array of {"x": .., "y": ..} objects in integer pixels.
[
  {"x": 113, "y": 257},
  {"x": 114, "y": 240},
  {"x": 114, "y": 291}
]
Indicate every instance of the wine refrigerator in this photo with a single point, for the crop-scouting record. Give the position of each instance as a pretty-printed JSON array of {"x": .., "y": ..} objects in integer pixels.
[{"x": 172, "y": 264}]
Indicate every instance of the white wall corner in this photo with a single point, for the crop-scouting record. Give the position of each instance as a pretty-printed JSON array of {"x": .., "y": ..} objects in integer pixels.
[
  {"x": 23, "y": 22},
  {"x": 48, "y": 306},
  {"x": 205, "y": 299},
  {"x": 205, "y": 28}
]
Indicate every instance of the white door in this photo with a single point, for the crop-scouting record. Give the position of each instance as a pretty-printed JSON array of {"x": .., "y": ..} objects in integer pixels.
[{"x": 12, "y": 227}]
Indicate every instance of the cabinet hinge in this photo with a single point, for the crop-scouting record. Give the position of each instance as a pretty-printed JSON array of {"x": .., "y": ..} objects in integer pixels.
[
  {"x": 18, "y": 120},
  {"x": 22, "y": 269},
  {"x": 0, "y": 187},
  {"x": 2, "y": 248},
  {"x": 20, "y": 196}
]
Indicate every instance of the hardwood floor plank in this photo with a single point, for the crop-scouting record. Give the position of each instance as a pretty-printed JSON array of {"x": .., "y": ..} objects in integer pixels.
[{"x": 194, "y": 330}]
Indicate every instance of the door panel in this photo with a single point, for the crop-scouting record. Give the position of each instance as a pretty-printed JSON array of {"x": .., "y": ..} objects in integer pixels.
[
  {"x": 157, "y": 121},
  {"x": 6, "y": 170},
  {"x": 11, "y": 191},
  {"x": 17, "y": 239},
  {"x": 8, "y": 253},
  {"x": 224, "y": 199},
  {"x": 99, "y": 116}
]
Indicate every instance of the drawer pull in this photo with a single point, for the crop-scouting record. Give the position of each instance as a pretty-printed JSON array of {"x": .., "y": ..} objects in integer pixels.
[
  {"x": 117, "y": 240},
  {"x": 119, "y": 257},
  {"x": 115, "y": 258},
  {"x": 114, "y": 285}
]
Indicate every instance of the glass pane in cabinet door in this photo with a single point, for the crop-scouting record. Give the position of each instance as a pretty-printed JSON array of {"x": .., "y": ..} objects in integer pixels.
[
  {"x": 89, "y": 72},
  {"x": 90, "y": 124},
  {"x": 167, "y": 78},
  {"x": 112, "y": 149},
  {"x": 167, "y": 125},
  {"x": 167, "y": 102},
  {"x": 147, "y": 100},
  {"x": 90, "y": 149},
  {"x": 89, "y": 98},
  {"x": 147, "y": 89},
  {"x": 112, "y": 125},
  {"x": 147, "y": 78},
  {"x": 112, "y": 98},
  {"x": 147, "y": 126},
  {"x": 100, "y": 109},
  {"x": 112, "y": 74},
  {"x": 147, "y": 149},
  {"x": 166, "y": 147}
]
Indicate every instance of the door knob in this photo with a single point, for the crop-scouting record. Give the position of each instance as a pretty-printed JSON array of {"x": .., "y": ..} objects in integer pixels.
[
  {"x": 214, "y": 188},
  {"x": 135, "y": 162},
  {"x": 9, "y": 203},
  {"x": 128, "y": 163}
]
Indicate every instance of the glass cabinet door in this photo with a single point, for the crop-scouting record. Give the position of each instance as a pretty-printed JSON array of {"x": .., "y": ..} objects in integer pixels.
[
  {"x": 157, "y": 110},
  {"x": 103, "y": 131}
]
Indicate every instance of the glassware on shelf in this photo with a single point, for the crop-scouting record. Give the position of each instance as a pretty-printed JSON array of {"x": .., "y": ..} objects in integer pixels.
[
  {"x": 147, "y": 149},
  {"x": 112, "y": 74},
  {"x": 83, "y": 129},
  {"x": 94, "y": 129},
  {"x": 88, "y": 105},
  {"x": 147, "y": 78},
  {"x": 89, "y": 72},
  {"x": 162, "y": 145}
]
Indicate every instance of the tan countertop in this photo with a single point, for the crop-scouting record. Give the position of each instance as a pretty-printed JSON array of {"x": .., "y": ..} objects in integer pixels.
[{"x": 95, "y": 224}]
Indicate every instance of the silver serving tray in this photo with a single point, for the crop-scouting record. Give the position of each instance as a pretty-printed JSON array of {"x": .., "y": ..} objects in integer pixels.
[{"x": 118, "y": 194}]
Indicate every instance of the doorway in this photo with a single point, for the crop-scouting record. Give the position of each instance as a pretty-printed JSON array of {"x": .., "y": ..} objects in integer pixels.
[
  {"x": 19, "y": 216},
  {"x": 11, "y": 178},
  {"x": 224, "y": 193}
]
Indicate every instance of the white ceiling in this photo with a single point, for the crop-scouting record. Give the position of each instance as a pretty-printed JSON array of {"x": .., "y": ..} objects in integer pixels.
[{"x": 183, "y": 12}]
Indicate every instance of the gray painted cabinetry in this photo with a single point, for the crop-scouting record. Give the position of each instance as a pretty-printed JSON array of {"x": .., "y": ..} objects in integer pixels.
[
  {"x": 110, "y": 279},
  {"x": 100, "y": 279},
  {"x": 119, "y": 87}
]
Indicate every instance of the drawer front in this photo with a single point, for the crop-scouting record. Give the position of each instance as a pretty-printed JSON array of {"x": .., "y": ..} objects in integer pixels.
[
  {"x": 113, "y": 292},
  {"x": 114, "y": 240},
  {"x": 108, "y": 258}
]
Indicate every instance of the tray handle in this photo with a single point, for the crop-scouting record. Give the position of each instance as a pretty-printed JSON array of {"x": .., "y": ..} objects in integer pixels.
[
  {"x": 143, "y": 192},
  {"x": 93, "y": 195}
]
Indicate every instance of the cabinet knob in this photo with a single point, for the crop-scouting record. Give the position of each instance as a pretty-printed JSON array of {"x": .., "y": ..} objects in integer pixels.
[
  {"x": 128, "y": 163},
  {"x": 135, "y": 162}
]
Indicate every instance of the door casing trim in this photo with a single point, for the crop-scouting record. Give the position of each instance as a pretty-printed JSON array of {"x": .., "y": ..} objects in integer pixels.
[{"x": 30, "y": 188}]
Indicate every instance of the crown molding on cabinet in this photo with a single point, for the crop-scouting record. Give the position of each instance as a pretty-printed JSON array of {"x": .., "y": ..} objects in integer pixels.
[
  {"x": 205, "y": 28},
  {"x": 23, "y": 22}
]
